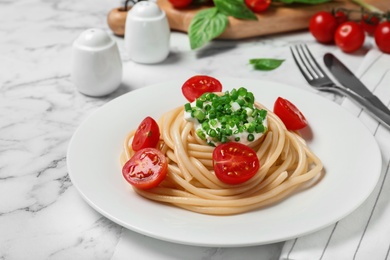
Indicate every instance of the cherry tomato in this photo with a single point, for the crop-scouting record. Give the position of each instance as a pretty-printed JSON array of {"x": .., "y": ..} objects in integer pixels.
[
  {"x": 341, "y": 17},
  {"x": 195, "y": 86},
  {"x": 146, "y": 135},
  {"x": 258, "y": 6},
  {"x": 369, "y": 23},
  {"x": 146, "y": 169},
  {"x": 180, "y": 3},
  {"x": 290, "y": 115},
  {"x": 382, "y": 36},
  {"x": 322, "y": 26},
  {"x": 235, "y": 163},
  {"x": 349, "y": 36}
]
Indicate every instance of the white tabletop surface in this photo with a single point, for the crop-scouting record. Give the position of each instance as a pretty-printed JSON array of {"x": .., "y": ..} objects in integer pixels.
[{"x": 42, "y": 215}]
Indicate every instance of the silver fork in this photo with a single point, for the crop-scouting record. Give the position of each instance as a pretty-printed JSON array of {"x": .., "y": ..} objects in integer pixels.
[{"x": 317, "y": 78}]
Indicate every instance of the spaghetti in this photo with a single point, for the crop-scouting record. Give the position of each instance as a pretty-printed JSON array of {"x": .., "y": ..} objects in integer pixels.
[{"x": 287, "y": 164}]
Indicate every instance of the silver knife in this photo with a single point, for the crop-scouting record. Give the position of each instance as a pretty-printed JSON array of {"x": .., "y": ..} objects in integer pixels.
[
  {"x": 377, "y": 113},
  {"x": 350, "y": 81}
]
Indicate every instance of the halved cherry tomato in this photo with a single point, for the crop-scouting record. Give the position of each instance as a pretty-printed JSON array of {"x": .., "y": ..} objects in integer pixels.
[
  {"x": 195, "y": 86},
  {"x": 146, "y": 169},
  {"x": 292, "y": 118},
  {"x": 146, "y": 135},
  {"x": 258, "y": 6},
  {"x": 235, "y": 163}
]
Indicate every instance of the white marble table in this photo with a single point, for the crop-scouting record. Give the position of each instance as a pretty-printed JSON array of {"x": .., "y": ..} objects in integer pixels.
[{"x": 42, "y": 215}]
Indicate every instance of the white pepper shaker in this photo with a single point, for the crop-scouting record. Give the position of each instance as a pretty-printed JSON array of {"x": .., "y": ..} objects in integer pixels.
[
  {"x": 147, "y": 33},
  {"x": 96, "y": 63}
]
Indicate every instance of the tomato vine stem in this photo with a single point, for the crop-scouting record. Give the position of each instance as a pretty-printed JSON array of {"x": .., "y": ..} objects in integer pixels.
[{"x": 367, "y": 6}]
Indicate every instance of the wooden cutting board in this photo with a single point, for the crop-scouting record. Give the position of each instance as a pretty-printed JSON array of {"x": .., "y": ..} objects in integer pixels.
[{"x": 277, "y": 19}]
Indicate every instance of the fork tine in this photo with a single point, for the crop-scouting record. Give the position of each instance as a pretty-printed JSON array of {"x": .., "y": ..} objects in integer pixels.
[
  {"x": 307, "y": 63},
  {"x": 313, "y": 61},
  {"x": 301, "y": 67}
]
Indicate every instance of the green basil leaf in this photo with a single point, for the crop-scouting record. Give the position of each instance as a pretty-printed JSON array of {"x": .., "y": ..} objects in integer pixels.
[
  {"x": 235, "y": 8},
  {"x": 265, "y": 64},
  {"x": 312, "y": 2},
  {"x": 206, "y": 25}
]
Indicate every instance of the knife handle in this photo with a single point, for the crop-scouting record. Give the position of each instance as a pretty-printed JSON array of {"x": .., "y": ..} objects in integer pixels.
[{"x": 375, "y": 112}]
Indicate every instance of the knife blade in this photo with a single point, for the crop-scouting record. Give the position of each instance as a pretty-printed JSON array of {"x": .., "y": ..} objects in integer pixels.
[{"x": 350, "y": 81}]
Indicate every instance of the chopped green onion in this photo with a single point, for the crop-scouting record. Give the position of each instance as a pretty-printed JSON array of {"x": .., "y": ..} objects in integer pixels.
[
  {"x": 222, "y": 116},
  {"x": 248, "y": 111},
  {"x": 250, "y": 128},
  {"x": 242, "y": 91},
  {"x": 205, "y": 126},
  {"x": 263, "y": 113},
  {"x": 198, "y": 114},
  {"x": 187, "y": 107},
  {"x": 210, "y": 143},
  {"x": 212, "y": 133},
  {"x": 229, "y": 132},
  {"x": 259, "y": 129},
  {"x": 241, "y": 102},
  {"x": 249, "y": 98},
  {"x": 224, "y": 139},
  {"x": 234, "y": 94},
  {"x": 203, "y": 97},
  {"x": 235, "y": 106},
  {"x": 212, "y": 115},
  {"x": 201, "y": 134},
  {"x": 199, "y": 103}
]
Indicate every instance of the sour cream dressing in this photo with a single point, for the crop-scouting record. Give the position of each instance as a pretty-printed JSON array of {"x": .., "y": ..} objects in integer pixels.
[{"x": 243, "y": 136}]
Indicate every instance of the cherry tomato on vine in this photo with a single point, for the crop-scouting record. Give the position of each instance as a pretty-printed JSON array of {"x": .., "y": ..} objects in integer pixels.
[
  {"x": 180, "y": 3},
  {"x": 369, "y": 23},
  {"x": 349, "y": 36},
  {"x": 235, "y": 163},
  {"x": 258, "y": 6},
  {"x": 341, "y": 17},
  {"x": 146, "y": 169},
  {"x": 146, "y": 135},
  {"x": 382, "y": 36},
  {"x": 195, "y": 86},
  {"x": 290, "y": 115},
  {"x": 322, "y": 26}
]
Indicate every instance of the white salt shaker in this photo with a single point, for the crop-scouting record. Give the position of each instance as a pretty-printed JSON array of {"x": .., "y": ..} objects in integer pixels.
[
  {"x": 147, "y": 33},
  {"x": 96, "y": 63}
]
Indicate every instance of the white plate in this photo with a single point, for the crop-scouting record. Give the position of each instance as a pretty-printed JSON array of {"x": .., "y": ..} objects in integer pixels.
[{"x": 349, "y": 152}]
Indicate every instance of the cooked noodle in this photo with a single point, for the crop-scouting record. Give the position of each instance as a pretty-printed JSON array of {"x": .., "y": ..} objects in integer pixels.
[{"x": 286, "y": 163}]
